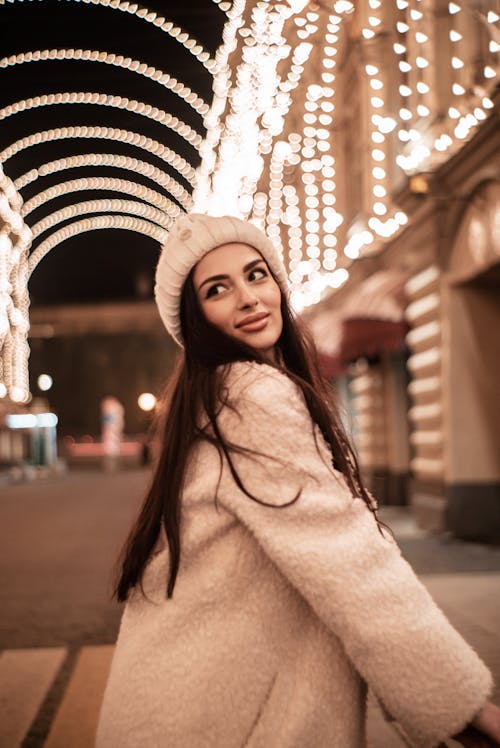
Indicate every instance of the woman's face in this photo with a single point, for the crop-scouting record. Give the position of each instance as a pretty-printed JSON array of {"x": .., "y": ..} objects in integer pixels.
[{"x": 238, "y": 295}]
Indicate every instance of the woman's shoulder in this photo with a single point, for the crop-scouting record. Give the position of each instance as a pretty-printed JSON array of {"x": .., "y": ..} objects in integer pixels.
[{"x": 251, "y": 380}]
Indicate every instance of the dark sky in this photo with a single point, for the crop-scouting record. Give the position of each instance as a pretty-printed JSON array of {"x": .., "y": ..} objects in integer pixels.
[{"x": 107, "y": 264}]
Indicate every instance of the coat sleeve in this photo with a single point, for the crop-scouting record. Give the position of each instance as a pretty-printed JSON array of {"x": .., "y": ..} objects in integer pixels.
[{"x": 328, "y": 546}]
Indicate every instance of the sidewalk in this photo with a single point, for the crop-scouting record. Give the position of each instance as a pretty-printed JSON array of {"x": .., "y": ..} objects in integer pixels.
[{"x": 59, "y": 624}]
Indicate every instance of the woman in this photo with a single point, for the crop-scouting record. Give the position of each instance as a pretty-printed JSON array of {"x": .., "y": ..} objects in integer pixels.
[{"x": 262, "y": 592}]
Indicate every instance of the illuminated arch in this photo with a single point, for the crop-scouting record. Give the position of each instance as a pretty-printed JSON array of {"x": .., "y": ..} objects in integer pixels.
[
  {"x": 109, "y": 58},
  {"x": 102, "y": 183},
  {"x": 113, "y": 160},
  {"x": 106, "y": 133},
  {"x": 107, "y": 205},
  {"x": 130, "y": 223},
  {"x": 168, "y": 27},
  {"x": 100, "y": 99}
]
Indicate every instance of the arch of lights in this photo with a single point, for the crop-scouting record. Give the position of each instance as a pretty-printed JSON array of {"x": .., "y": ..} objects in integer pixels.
[
  {"x": 285, "y": 181},
  {"x": 149, "y": 16},
  {"x": 109, "y": 58},
  {"x": 100, "y": 99},
  {"x": 107, "y": 133},
  {"x": 107, "y": 205},
  {"x": 102, "y": 183},
  {"x": 129, "y": 223},
  {"x": 109, "y": 159}
]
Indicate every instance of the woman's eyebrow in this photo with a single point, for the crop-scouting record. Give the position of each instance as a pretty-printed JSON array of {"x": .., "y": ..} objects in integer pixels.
[
  {"x": 252, "y": 264},
  {"x": 213, "y": 278},
  {"x": 246, "y": 268}
]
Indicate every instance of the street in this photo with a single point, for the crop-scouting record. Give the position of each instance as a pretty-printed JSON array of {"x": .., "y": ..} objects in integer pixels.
[{"x": 59, "y": 540}]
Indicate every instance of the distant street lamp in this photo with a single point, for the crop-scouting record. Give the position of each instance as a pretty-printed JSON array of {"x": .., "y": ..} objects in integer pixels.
[
  {"x": 44, "y": 382},
  {"x": 146, "y": 401}
]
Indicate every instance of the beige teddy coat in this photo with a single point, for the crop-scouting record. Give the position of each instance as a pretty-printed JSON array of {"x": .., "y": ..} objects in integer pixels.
[{"x": 280, "y": 616}]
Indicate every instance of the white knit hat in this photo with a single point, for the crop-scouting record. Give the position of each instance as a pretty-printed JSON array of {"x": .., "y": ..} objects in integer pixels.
[{"x": 192, "y": 236}]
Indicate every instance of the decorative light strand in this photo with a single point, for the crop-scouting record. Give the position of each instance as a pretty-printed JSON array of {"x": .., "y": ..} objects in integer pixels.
[
  {"x": 212, "y": 122},
  {"x": 15, "y": 240},
  {"x": 107, "y": 133},
  {"x": 109, "y": 205},
  {"x": 100, "y": 99},
  {"x": 129, "y": 223},
  {"x": 108, "y": 58},
  {"x": 102, "y": 183},
  {"x": 168, "y": 27},
  {"x": 113, "y": 160}
]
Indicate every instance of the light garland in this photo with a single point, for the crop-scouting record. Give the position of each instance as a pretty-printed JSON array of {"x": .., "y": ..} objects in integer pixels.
[
  {"x": 107, "y": 133},
  {"x": 102, "y": 183},
  {"x": 129, "y": 223},
  {"x": 212, "y": 122},
  {"x": 114, "y": 160},
  {"x": 109, "y": 205},
  {"x": 430, "y": 143},
  {"x": 161, "y": 23},
  {"x": 107, "y": 58},
  {"x": 100, "y": 99},
  {"x": 15, "y": 239}
]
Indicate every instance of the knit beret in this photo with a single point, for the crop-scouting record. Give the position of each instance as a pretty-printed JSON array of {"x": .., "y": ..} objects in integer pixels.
[{"x": 191, "y": 238}]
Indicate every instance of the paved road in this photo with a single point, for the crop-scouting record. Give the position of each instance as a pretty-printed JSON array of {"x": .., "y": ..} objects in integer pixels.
[{"x": 59, "y": 539}]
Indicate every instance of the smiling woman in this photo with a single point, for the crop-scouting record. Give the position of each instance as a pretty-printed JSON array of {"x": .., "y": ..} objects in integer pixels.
[
  {"x": 239, "y": 296},
  {"x": 290, "y": 596}
]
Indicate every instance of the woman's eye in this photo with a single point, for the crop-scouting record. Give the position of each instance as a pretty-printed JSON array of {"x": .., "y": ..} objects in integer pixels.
[
  {"x": 214, "y": 290},
  {"x": 257, "y": 274}
]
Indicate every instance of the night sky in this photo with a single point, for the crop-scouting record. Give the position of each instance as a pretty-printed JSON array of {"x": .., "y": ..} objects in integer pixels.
[{"x": 106, "y": 264}]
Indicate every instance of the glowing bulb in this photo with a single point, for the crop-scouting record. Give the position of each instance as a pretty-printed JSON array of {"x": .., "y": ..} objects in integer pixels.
[
  {"x": 44, "y": 382},
  {"x": 421, "y": 62},
  {"x": 454, "y": 8},
  {"x": 489, "y": 72},
  {"x": 422, "y": 87},
  {"x": 146, "y": 401},
  {"x": 457, "y": 63}
]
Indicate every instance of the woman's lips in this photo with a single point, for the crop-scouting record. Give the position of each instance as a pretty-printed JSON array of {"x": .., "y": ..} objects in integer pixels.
[{"x": 253, "y": 323}]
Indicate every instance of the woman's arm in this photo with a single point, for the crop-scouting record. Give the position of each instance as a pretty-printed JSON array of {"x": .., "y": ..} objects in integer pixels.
[{"x": 328, "y": 546}]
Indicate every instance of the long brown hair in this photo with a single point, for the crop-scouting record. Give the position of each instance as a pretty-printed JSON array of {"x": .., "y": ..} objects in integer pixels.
[{"x": 197, "y": 385}]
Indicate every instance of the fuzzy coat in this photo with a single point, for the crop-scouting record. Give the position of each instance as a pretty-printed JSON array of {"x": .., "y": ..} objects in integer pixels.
[{"x": 282, "y": 615}]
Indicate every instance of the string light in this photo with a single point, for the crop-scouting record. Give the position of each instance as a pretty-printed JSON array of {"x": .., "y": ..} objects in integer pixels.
[
  {"x": 102, "y": 183},
  {"x": 108, "y": 133},
  {"x": 127, "y": 63},
  {"x": 161, "y": 23},
  {"x": 113, "y": 160},
  {"x": 15, "y": 240},
  {"x": 100, "y": 99},
  {"x": 131, "y": 207},
  {"x": 129, "y": 223}
]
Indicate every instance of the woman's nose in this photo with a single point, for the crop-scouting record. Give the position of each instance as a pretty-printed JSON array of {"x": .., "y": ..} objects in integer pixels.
[{"x": 247, "y": 297}]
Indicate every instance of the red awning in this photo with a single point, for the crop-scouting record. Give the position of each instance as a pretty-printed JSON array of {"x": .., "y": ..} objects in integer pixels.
[{"x": 362, "y": 337}]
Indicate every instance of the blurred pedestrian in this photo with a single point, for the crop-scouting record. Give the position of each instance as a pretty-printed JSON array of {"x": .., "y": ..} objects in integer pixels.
[
  {"x": 263, "y": 593},
  {"x": 112, "y": 422}
]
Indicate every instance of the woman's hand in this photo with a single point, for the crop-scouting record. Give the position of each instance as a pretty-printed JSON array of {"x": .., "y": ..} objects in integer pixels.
[{"x": 484, "y": 730}]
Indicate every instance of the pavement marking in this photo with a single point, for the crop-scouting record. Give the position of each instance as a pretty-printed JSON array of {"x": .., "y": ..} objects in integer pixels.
[
  {"x": 25, "y": 678},
  {"x": 75, "y": 723}
]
